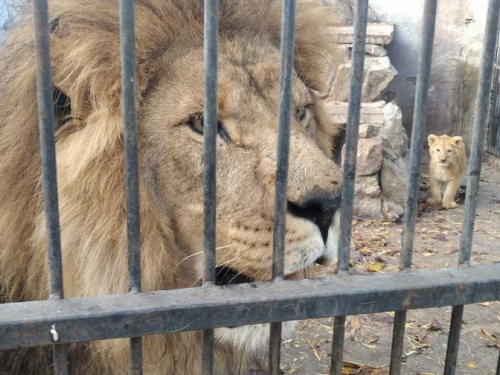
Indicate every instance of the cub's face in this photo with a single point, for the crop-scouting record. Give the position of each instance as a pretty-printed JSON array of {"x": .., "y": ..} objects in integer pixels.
[
  {"x": 445, "y": 150},
  {"x": 246, "y": 164}
]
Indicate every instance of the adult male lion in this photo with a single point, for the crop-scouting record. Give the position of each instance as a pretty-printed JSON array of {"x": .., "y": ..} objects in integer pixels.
[{"x": 86, "y": 71}]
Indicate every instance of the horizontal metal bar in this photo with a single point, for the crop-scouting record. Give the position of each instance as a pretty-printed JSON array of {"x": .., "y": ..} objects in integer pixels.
[{"x": 132, "y": 315}]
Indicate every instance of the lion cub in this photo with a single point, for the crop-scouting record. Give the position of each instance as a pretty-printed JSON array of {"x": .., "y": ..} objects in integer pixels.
[{"x": 448, "y": 163}]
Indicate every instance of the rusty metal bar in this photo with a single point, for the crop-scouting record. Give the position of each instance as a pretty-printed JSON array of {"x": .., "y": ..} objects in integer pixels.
[
  {"x": 210, "y": 125},
  {"x": 46, "y": 124},
  {"x": 351, "y": 147},
  {"x": 280, "y": 203},
  {"x": 481, "y": 113},
  {"x": 417, "y": 145},
  {"x": 133, "y": 315}
]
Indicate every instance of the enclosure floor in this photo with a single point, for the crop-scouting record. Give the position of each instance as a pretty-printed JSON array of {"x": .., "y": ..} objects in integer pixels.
[{"x": 376, "y": 248}]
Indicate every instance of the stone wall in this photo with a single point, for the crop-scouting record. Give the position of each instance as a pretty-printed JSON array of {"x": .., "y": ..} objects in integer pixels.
[{"x": 383, "y": 142}]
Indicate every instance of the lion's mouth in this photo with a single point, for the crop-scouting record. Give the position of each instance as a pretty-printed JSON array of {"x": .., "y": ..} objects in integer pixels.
[{"x": 228, "y": 276}]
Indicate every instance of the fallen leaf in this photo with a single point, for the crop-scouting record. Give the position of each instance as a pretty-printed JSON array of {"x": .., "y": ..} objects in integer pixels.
[
  {"x": 472, "y": 364},
  {"x": 373, "y": 339},
  {"x": 365, "y": 252},
  {"x": 374, "y": 267},
  {"x": 434, "y": 326},
  {"x": 451, "y": 251}
]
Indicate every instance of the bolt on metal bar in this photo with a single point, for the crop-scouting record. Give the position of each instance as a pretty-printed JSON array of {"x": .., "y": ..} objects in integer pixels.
[
  {"x": 349, "y": 175},
  {"x": 417, "y": 144},
  {"x": 131, "y": 138},
  {"x": 283, "y": 151},
  {"x": 481, "y": 113},
  {"x": 46, "y": 123},
  {"x": 211, "y": 40}
]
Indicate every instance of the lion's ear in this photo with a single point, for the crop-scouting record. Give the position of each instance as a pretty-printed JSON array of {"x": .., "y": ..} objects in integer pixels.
[
  {"x": 457, "y": 140},
  {"x": 431, "y": 139}
]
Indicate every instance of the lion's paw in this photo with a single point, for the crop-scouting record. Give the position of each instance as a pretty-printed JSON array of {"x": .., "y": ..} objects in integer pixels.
[
  {"x": 433, "y": 201},
  {"x": 449, "y": 205}
]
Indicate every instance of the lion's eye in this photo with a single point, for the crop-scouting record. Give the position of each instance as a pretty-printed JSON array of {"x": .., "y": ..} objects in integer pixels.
[
  {"x": 449, "y": 151},
  {"x": 196, "y": 124},
  {"x": 438, "y": 150},
  {"x": 302, "y": 112}
]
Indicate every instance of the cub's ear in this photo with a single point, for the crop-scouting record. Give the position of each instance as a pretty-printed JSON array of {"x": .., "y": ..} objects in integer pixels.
[
  {"x": 431, "y": 139},
  {"x": 457, "y": 140}
]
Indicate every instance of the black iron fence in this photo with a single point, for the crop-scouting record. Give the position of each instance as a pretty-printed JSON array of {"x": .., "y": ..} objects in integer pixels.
[{"x": 59, "y": 321}]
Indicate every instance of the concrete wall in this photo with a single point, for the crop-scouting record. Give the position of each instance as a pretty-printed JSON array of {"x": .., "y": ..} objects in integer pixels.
[{"x": 458, "y": 44}]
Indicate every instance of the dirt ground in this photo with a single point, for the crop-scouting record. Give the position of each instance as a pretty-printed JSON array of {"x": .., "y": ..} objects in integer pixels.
[{"x": 376, "y": 248}]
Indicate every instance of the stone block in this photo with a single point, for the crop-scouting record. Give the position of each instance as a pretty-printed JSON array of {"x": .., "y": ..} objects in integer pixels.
[
  {"x": 378, "y": 74},
  {"x": 376, "y": 33},
  {"x": 369, "y": 130},
  {"x": 393, "y": 133},
  {"x": 371, "y": 113}
]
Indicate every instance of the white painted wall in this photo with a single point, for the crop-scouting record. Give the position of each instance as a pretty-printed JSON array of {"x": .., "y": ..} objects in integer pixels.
[{"x": 458, "y": 44}]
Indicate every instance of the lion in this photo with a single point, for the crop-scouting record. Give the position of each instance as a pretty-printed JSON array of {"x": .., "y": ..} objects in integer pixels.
[
  {"x": 447, "y": 165},
  {"x": 85, "y": 52}
]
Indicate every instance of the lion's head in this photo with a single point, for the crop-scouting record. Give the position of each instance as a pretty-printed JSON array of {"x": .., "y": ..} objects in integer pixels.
[
  {"x": 446, "y": 150},
  {"x": 86, "y": 76}
]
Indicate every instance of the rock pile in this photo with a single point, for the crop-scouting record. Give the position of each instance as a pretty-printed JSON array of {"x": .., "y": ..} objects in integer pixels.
[{"x": 383, "y": 142}]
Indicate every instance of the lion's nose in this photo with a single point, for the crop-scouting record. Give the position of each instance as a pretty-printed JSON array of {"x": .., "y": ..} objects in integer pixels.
[{"x": 319, "y": 210}]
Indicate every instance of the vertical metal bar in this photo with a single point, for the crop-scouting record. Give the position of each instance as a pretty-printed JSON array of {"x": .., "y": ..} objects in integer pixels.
[
  {"x": 49, "y": 170},
  {"x": 498, "y": 366},
  {"x": 417, "y": 144},
  {"x": 352, "y": 129},
  {"x": 280, "y": 203},
  {"x": 338, "y": 345},
  {"x": 211, "y": 40},
  {"x": 131, "y": 138},
  {"x": 453, "y": 339},
  {"x": 481, "y": 113},
  {"x": 349, "y": 175}
]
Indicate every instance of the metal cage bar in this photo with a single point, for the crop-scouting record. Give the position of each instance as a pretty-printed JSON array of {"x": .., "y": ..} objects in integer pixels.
[
  {"x": 149, "y": 313},
  {"x": 350, "y": 159},
  {"x": 115, "y": 316},
  {"x": 417, "y": 145},
  {"x": 280, "y": 202},
  {"x": 210, "y": 120},
  {"x": 481, "y": 113},
  {"x": 131, "y": 144},
  {"x": 46, "y": 122}
]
